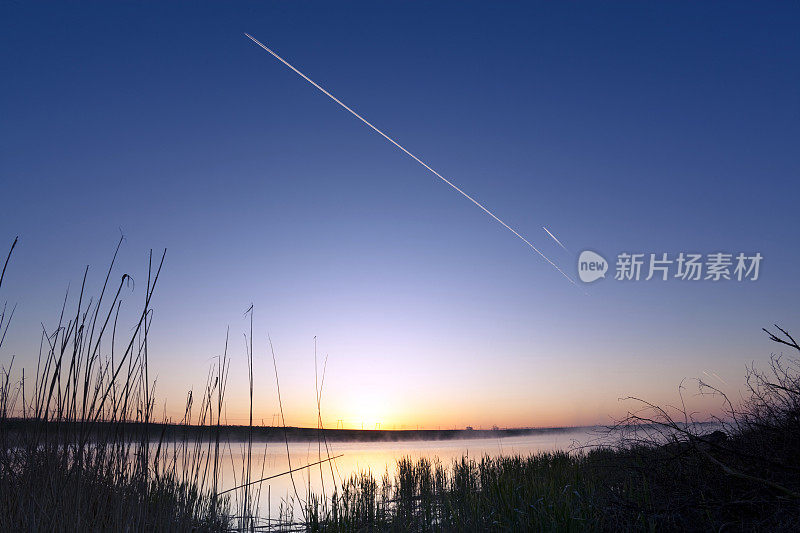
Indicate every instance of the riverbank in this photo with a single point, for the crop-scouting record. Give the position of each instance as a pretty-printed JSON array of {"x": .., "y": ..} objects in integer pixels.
[{"x": 238, "y": 433}]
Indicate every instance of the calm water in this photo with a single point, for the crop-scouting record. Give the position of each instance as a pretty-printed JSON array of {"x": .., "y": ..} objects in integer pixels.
[{"x": 376, "y": 457}]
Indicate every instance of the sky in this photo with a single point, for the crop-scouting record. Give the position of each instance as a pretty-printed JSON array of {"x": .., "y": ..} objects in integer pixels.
[{"x": 622, "y": 127}]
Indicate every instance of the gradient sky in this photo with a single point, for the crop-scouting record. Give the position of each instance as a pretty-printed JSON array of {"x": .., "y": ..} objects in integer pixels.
[{"x": 645, "y": 127}]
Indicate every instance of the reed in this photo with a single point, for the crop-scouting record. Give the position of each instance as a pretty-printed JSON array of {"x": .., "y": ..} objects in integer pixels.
[
  {"x": 658, "y": 470},
  {"x": 78, "y": 447},
  {"x": 81, "y": 449}
]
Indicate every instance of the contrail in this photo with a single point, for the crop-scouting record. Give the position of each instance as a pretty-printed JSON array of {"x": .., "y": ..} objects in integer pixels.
[
  {"x": 555, "y": 238},
  {"x": 412, "y": 156},
  {"x": 716, "y": 376}
]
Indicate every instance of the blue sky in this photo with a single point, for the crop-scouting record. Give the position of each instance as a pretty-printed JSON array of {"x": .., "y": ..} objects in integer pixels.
[{"x": 658, "y": 127}]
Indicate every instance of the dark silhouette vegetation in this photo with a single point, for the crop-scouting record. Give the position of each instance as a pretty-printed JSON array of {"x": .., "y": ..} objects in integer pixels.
[
  {"x": 81, "y": 450},
  {"x": 661, "y": 471}
]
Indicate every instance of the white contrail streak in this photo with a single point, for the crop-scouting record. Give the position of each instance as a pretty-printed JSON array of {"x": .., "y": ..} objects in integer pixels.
[
  {"x": 719, "y": 378},
  {"x": 555, "y": 238},
  {"x": 412, "y": 156},
  {"x": 716, "y": 376}
]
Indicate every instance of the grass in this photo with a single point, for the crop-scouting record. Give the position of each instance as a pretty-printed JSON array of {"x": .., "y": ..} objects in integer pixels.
[
  {"x": 666, "y": 472},
  {"x": 81, "y": 450},
  {"x": 86, "y": 459},
  {"x": 541, "y": 492}
]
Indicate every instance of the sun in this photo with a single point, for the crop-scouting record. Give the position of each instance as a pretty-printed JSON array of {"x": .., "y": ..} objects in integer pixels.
[{"x": 367, "y": 407}]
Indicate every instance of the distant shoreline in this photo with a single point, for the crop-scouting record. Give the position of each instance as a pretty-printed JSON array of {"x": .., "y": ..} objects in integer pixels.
[{"x": 160, "y": 431}]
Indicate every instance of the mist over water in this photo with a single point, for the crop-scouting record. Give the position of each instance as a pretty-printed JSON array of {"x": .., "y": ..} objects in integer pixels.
[{"x": 378, "y": 458}]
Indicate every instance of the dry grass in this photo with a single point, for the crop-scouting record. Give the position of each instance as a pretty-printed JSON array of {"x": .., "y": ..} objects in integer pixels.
[
  {"x": 80, "y": 450},
  {"x": 76, "y": 448},
  {"x": 666, "y": 472}
]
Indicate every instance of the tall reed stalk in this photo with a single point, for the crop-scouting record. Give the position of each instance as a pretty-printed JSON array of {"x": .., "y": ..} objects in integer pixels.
[{"x": 79, "y": 449}]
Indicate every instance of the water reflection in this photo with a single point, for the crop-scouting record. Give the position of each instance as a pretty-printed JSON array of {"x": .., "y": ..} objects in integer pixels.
[{"x": 379, "y": 458}]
